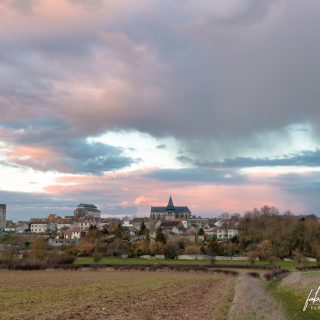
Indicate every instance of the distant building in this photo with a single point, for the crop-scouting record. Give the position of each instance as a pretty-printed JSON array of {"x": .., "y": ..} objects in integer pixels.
[
  {"x": 169, "y": 213},
  {"x": 22, "y": 226},
  {"x": 10, "y": 226},
  {"x": 3, "y": 211},
  {"x": 87, "y": 210},
  {"x": 38, "y": 226}
]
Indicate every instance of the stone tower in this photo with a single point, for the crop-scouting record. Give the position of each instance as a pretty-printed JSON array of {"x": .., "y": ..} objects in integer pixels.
[{"x": 3, "y": 209}]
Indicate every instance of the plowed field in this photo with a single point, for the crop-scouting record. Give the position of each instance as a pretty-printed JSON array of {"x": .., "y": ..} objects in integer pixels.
[{"x": 114, "y": 295}]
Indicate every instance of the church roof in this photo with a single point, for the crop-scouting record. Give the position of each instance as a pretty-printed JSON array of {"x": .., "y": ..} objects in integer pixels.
[
  {"x": 164, "y": 209},
  {"x": 170, "y": 205}
]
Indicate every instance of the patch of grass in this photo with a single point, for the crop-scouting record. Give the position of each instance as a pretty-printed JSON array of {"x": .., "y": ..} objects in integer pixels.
[
  {"x": 292, "y": 265},
  {"x": 115, "y": 260},
  {"x": 292, "y": 301}
]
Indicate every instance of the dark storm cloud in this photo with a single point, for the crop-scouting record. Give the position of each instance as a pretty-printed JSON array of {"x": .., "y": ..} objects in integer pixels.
[
  {"x": 201, "y": 72},
  {"x": 237, "y": 73},
  {"x": 306, "y": 159},
  {"x": 304, "y": 184},
  {"x": 94, "y": 158},
  {"x": 78, "y": 156},
  {"x": 66, "y": 153}
]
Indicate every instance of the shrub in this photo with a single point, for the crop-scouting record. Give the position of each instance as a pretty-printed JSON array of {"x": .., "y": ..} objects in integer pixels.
[
  {"x": 156, "y": 248},
  {"x": 275, "y": 274},
  {"x": 40, "y": 244},
  {"x": 192, "y": 249},
  {"x": 171, "y": 250},
  {"x": 48, "y": 258},
  {"x": 97, "y": 256},
  {"x": 254, "y": 274}
]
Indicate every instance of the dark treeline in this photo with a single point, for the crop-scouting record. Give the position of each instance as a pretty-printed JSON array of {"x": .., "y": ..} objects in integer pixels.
[{"x": 268, "y": 234}]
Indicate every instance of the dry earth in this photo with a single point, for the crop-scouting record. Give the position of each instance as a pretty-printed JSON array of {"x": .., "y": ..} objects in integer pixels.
[
  {"x": 252, "y": 302},
  {"x": 114, "y": 295}
]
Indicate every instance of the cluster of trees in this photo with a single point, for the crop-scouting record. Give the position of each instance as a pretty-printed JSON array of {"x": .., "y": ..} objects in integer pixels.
[
  {"x": 38, "y": 253},
  {"x": 267, "y": 234}
]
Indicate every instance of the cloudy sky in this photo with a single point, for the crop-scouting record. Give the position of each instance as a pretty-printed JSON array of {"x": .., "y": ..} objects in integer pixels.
[{"x": 122, "y": 103}]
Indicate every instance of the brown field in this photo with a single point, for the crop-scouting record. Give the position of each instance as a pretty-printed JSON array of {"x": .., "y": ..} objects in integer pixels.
[{"x": 114, "y": 295}]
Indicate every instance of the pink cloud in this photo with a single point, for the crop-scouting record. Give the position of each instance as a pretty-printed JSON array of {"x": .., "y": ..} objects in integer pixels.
[
  {"x": 39, "y": 157},
  {"x": 135, "y": 190}
]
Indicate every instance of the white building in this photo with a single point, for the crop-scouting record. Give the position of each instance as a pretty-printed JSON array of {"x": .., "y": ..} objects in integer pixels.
[{"x": 38, "y": 227}]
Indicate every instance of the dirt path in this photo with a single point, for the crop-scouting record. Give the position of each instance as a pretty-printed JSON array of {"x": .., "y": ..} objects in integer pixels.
[{"x": 251, "y": 301}]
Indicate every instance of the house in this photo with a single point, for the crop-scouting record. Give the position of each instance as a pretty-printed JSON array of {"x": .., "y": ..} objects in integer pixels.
[
  {"x": 170, "y": 226},
  {"x": 126, "y": 222},
  {"x": 53, "y": 218},
  {"x": 22, "y": 226},
  {"x": 210, "y": 232},
  {"x": 227, "y": 230},
  {"x": 85, "y": 224},
  {"x": 63, "y": 224},
  {"x": 10, "y": 226},
  {"x": 136, "y": 222},
  {"x": 61, "y": 242},
  {"x": 201, "y": 222},
  {"x": 39, "y": 226},
  {"x": 74, "y": 233}
]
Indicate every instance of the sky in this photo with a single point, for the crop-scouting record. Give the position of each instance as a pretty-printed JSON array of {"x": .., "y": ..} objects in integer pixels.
[{"x": 121, "y": 103}]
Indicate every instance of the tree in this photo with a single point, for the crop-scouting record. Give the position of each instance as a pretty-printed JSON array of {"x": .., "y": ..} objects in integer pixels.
[
  {"x": 160, "y": 237},
  {"x": 316, "y": 251},
  {"x": 192, "y": 249},
  {"x": 213, "y": 247},
  {"x": 97, "y": 256},
  {"x": 171, "y": 250},
  {"x": 182, "y": 245},
  {"x": 201, "y": 232},
  {"x": 253, "y": 253},
  {"x": 157, "y": 248},
  {"x": 118, "y": 231},
  {"x": 142, "y": 228},
  {"x": 266, "y": 250},
  {"x": 8, "y": 253},
  {"x": 298, "y": 256},
  {"x": 141, "y": 248},
  {"x": 40, "y": 244}
]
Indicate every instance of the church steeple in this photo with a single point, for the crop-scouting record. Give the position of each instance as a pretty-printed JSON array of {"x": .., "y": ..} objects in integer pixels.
[{"x": 170, "y": 205}]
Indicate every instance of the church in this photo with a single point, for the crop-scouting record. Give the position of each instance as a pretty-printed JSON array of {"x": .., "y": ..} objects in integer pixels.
[{"x": 169, "y": 213}]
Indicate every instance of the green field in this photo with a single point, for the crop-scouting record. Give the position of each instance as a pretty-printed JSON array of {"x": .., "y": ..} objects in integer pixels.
[{"x": 115, "y": 260}]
